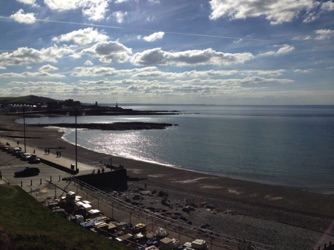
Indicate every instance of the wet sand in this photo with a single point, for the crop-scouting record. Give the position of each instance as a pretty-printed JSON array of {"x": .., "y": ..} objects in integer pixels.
[{"x": 284, "y": 217}]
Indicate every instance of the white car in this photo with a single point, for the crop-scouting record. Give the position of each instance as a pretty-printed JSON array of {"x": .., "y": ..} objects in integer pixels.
[{"x": 25, "y": 156}]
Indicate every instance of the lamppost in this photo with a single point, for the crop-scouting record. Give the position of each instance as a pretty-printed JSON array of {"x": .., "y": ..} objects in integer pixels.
[
  {"x": 24, "y": 129},
  {"x": 76, "y": 140}
]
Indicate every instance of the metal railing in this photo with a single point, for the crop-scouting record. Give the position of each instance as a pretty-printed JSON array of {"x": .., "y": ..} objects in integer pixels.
[{"x": 223, "y": 241}]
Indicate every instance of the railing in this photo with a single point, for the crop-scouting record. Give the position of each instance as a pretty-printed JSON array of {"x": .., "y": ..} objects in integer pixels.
[{"x": 217, "y": 239}]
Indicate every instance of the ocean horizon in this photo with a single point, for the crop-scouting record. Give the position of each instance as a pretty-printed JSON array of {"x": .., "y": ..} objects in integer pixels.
[{"x": 281, "y": 145}]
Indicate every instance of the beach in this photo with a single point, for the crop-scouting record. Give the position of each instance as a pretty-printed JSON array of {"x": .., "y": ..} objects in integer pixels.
[{"x": 283, "y": 217}]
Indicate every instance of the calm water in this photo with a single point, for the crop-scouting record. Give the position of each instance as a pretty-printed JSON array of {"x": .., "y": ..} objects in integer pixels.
[{"x": 281, "y": 145}]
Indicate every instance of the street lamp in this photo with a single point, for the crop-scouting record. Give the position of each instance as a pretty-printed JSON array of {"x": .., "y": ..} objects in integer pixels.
[
  {"x": 24, "y": 129},
  {"x": 76, "y": 140}
]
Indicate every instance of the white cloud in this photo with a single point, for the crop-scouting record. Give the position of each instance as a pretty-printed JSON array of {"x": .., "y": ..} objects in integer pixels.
[
  {"x": 281, "y": 51},
  {"x": 154, "y": 1},
  {"x": 26, "y": 55},
  {"x": 120, "y": 1},
  {"x": 302, "y": 70},
  {"x": 321, "y": 34},
  {"x": 29, "y": 2},
  {"x": 94, "y": 71},
  {"x": 324, "y": 34},
  {"x": 60, "y": 5},
  {"x": 327, "y": 6},
  {"x": 94, "y": 9},
  {"x": 119, "y": 16},
  {"x": 256, "y": 80},
  {"x": 108, "y": 51},
  {"x": 153, "y": 73},
  {"x": 88, "y": 63},
  {"x": 48, "y": 67},
  {"x": 153, "y": 37},
  {"x": 277, "y": 12},
  {"x": 285, "y": 49},
  {"x": 82, "y": 36},
  {"x": 39, "y": 74},
  {"x": 21, "y": 17},
  {"x": 189, "y": 58}
]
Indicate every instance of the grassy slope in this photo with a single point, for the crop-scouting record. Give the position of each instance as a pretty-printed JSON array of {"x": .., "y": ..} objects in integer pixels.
[
  {"x": 25, "y": 224},
  {"x": 25, "y": 99}
]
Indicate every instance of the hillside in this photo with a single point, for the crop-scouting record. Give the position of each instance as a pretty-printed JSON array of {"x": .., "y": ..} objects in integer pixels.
[
  {"x": 30, "y": 99},
  {"x": 26, "y": 224}
]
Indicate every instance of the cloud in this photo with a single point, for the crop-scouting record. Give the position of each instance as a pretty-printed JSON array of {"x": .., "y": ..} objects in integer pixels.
[
  {"x": 277, "y": 12},
  {"x": 60, "y": 5},
  {"x": 94, "y": 71},
  {"x": 82, "y": 36},
  {"x": 119, "y": 16},
  {"x": 153, "y": 37},
  {"x": 302, "y": 70},
  {"x": 21, "y": 17},
  {"x": 323, "y": 34},
  {"x": 26, "y": 55},
  {"x": 120, "y": 1},
  {"x": 327, "y": 6},
  {"x": 108, "y": 51},
  {"x": 94, "y": 9},
  {"x": 47, "y": 67},
  {"x": 157, "y": 56},
  {"x": 29, "y": 2},
  {"x": 156, "y": 74},
  {"x": 154, "y": 1},
  {"x": 40, "y": 74},
  {"x": 281, "y": 51},
  {"x": 256, "y": 80},
  {"x": 88, "y": 63}
]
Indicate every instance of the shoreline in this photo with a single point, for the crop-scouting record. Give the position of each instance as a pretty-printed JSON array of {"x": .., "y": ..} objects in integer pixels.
[
  {"x": 218, "y": 175},
  {"x": 282, "y": 208}
]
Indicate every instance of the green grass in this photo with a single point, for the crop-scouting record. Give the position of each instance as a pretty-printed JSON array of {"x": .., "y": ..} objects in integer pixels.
[{"x": 26, "y": 224}]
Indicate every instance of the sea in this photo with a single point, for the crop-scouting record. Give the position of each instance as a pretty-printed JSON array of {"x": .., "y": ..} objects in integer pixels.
[{"x": 280, "y": 145}]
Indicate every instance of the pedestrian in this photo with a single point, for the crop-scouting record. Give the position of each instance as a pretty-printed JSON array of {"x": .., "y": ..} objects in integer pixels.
[
  {"x": 48, "y": 151},
  {"x": 0, "y": 175},
  {"x": 59, "y": 153},
  {"x": 45, "y": 150},
  {"x": 34, "y": 151}
]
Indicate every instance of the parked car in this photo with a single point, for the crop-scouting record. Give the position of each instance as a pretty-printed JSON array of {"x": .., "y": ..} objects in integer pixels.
[
  {"x": 34, "y": 159},
  {"x": 28, "y": 171},
  {"x": 25, "y": 156},
  {"x": 10, "y": 150},
  {"x": 16, "y": 151},
  {"x": 4, "y": 147}
]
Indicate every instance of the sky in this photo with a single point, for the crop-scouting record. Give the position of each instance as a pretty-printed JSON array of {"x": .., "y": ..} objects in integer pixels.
[{"x": 276, "y": 52}]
